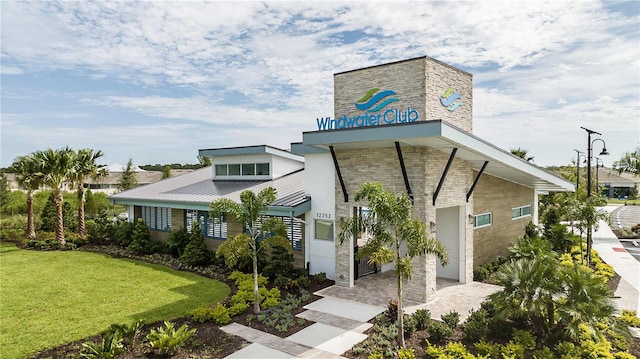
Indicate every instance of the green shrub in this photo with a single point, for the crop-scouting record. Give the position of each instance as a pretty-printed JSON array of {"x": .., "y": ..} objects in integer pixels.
[
  {"x": 489, "y": 349},
  {"x": 123, "y": 233},
  {"x": 422, "y": 317},
  {"x": 280, "y": 263},
  {"x": 166, "y": 339},
  {"x": 513, "y": 350},
  {"x": 623, "y": 355},
  {"x": 630, "y": 318},
  {"x": 176, "y": 241},
  {"x": 375, "y": 356},
  {"x": 544, "y": 353},
  {"x": 303, "y": 281},
  {"x": 410, "y": 325},
  {"x": 480, "y": 274},
  {"x": 451, "y": 350},
  {"x": 525, "y": 339},
  {"x": 320, "y": 278},
  {"x": 201, "y": 314},
  {"x": 439, "y": 331},
  {"x": 220, "y": 314},
  {"x": 102, "y": 229},
  {"x": 476, "y": 325},
  {"x": 451, "y": 319},
  {"x": 281, "y": 281},
  {"x": 407, "y": 353},
  {"x": 196, "y": 252},
  {"x": 110, "y": 346},
  {"x": 140, "y": 238},
  {"x": 238, "y": 308}
]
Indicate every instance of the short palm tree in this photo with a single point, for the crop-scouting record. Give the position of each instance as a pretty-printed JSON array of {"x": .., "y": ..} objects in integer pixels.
[
  {"x": 84, "y": 166},
  {"x": 29, "y": 178},
  {"x": 251, "y": 212},
  {"x": 56, "y": 166},
  {"x": 585, "y": 302},
  {"x": 392, "y": 224}
]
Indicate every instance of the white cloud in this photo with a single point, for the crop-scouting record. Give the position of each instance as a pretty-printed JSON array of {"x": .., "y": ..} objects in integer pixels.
[{"x": 543, "y": 68}]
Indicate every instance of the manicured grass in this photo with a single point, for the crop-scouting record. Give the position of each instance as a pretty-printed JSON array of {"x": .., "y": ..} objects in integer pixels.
[
  {"x": 51, "y": 298},
  {"x": 628, "y": 202}
]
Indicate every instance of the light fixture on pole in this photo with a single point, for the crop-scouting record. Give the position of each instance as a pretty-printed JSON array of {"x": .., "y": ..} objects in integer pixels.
[
  {"x": 579, "y": 154},
  {"x": 589, "y": 155}
]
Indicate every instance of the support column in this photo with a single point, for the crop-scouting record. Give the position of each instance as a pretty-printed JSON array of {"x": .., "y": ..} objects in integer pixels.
[{"x": 344, "y": 263}]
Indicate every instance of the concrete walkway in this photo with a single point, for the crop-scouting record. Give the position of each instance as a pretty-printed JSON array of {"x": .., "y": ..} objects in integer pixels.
[
  {"x": 613, "y": 253},
  {"x": 339, "y": 325}
]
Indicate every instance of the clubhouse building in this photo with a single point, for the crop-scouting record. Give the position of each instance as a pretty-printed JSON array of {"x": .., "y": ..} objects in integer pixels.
[{"x": 406, "y": 124}]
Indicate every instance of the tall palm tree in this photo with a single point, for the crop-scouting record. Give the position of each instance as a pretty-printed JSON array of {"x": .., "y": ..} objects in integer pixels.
[
  {"x": 629, "y": 163},
  {"x": 522, "y": 153},
  {"x": 392, "y": 224},
  {"x": 84, "y": 166},
  {"x": 30, "y": 179},
  {"x": 56, "y": 166}
]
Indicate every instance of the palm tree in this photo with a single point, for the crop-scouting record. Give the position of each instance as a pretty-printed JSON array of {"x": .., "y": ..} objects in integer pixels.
[
  {"x": 586, "y": 301},
  {"x": 391, "y": 225},
  {"x": 84, "y": 166},
  {"x": 56, "y": 166},
  {"x": 522, "y": 153},
  {"x": 30, "y": 179},
  {"x": 251, "y": 212},
  {"x": 529, "y": 287},
  {"x": 629, "y": 163}
]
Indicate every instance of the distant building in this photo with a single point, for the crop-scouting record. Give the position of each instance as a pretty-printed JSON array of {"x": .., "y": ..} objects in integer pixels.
[
  {"x": 109, "y": 184},
  {"x": 616, "y": 185}
]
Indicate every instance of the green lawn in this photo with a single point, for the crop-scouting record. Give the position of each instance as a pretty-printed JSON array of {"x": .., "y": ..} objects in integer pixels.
[
  {"x": 50, "y": 298},
  {"x": 628, "y": 202}
]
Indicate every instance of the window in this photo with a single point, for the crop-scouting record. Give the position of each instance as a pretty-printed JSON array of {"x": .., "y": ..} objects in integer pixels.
[
  {"x": 295, "y": 230},
  {"x": 157, "y": 218},
  {"x": 324, "y": 229},
  {"x": 248, "y": 169},
  {"x": 482, "y": 220},
  {"x": 234, "y": 170},
  {"x": 245, "y": 169},
  {"x": 262, "y": 169},
  {"x": 221, "y": 170},
  {"x": 211, "y": 227},
  {"x": 519, "y": 212}
]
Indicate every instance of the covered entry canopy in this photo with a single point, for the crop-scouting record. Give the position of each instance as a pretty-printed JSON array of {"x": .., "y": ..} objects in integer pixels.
[{"x": 441, "y": 136}]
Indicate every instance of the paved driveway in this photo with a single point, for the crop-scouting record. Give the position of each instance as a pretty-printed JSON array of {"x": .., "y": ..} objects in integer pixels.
[{"x": 627, "y": 217}]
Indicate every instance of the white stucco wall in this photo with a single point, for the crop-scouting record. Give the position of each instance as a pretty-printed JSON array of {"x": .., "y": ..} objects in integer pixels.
[{"x": 319, "y": 181}]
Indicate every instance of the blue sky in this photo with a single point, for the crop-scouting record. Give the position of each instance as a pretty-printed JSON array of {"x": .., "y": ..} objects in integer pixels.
[{"x": 156, "y": 81}]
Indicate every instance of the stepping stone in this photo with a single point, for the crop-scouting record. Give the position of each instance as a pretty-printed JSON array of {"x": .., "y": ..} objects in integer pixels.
[
  {"x": 334, "y": 321},
  {"x": 345, "y": 309},
  {"x": 327, "y": 338}
]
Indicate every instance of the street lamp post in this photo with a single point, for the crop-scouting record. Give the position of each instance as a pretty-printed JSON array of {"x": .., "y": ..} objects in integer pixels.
[
  {"x": 578, "y": 154},
  {"x": 589, "y": 155},
  {"x": 598, "y": 161}
]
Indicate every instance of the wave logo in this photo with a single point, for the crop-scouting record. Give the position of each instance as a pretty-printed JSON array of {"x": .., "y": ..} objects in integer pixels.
[
  {"x": 375, "y": 103},
  {"x": 449, "y": 99}
]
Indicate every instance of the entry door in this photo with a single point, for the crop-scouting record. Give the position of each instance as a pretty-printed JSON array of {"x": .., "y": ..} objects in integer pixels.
[{"x": 449, "y": 234}]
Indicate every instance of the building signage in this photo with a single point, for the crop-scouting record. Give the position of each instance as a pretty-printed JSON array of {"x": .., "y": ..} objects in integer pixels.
[
  {"x": 372, "y": 105},
  {"x": 449, "y": 99}
]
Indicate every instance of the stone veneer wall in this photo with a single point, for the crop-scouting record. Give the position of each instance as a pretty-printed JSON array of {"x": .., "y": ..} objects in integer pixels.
[
  {"x": 418, "y": 83},
  {"x": 499, "y": 196},
  {"x": 424, "y": 169}
]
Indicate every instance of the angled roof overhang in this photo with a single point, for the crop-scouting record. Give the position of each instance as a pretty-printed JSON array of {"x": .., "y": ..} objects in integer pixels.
[
  {"x": 249, "y": 150},
  {"x": 443, "y": 137}
]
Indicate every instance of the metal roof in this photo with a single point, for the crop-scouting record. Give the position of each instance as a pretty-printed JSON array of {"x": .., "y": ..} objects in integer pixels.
[
  {"x": 196, "y": 190},
  {"x": 443, "y": 137}
]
